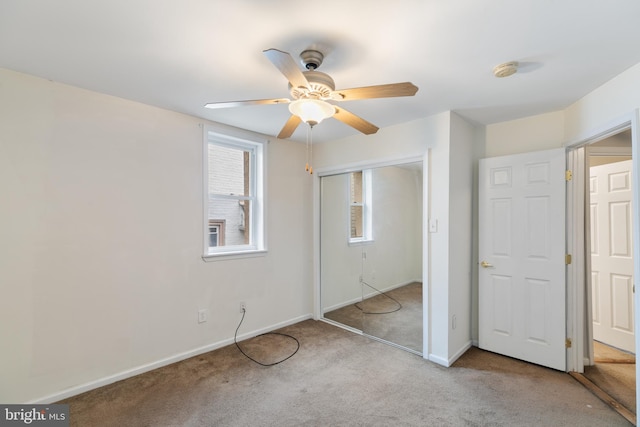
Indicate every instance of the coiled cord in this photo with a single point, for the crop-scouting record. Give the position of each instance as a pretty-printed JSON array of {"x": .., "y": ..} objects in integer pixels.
[{"x": 235, "y": 340}]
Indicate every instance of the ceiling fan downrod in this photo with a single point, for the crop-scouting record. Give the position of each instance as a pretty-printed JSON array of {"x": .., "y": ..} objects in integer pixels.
[{"x": 311, "y": 59}]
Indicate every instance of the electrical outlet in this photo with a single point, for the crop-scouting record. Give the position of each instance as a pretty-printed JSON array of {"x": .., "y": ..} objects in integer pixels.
[
  {"x": 453, "y": 322},
  {"x": 243, "y": 307},
  {"x": 202, "y": 315}
]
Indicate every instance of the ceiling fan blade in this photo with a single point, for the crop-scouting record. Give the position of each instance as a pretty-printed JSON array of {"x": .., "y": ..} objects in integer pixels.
[
  {"x": 289, "y": 127},
  {"x": 214, "y": 105},
  {"x": 287, "y": 66},
  {"x": 355, "y": 122},
  {"x": 380, "y": 91}
]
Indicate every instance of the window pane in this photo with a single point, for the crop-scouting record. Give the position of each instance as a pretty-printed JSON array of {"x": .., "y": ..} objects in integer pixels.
[
  {"x": 356, "y": 221},
  {"x": 236, "y": 216},
  {"x": 229, "y": 170},
  {"x": 213, "y": 236},
  {"x": 356, "y": 187},
  {"x": 216, "y": 232}
]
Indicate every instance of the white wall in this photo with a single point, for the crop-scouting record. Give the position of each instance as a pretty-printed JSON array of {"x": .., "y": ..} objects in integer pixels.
[
  {"x": 583, "y": 119},
  {"x": 463, "y": 157},
  {"x": 618, "y": 97},
  {"x": 101, "y": 228}
]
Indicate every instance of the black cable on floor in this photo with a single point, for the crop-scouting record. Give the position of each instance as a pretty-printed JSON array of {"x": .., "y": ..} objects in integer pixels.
[
  {"x": 267, "y": 333},
  {"x": 379, "y": 312}
]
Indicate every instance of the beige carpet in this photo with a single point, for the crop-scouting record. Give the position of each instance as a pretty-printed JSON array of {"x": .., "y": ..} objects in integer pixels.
[
  {"x": 338, "y": 378},
  {"x": 394, "y": 316}
]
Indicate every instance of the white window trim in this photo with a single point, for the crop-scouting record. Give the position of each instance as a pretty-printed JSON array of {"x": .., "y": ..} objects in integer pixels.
[{"x": 237, "y": 138}]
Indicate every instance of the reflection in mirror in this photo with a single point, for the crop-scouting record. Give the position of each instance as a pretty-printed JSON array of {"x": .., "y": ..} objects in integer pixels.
[{"x": 371, "y": 252}]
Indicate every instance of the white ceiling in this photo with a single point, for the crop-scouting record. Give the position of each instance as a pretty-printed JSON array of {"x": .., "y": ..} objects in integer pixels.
[{"x": 180, "y": 55}]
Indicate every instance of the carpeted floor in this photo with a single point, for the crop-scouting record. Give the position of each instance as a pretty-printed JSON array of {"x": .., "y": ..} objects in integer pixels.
[
  {"x": 394, "y": 316},
  {"x": 339, "y": 378}
]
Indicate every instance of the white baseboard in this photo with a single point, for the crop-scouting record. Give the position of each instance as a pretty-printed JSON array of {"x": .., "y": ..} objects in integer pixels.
[
  {"x": 460, "y": 352},
  {"x": 369, "y": 294},
  {"x": 373, "y": 292},
  {"x": 450, "y": 361},
  {"x": 342, "y": 304},
  {"x": 439, "y": 360},
  {"x": 72, "y": 391}
]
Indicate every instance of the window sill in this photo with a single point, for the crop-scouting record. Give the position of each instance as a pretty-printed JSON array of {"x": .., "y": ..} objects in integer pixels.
[
  {"x": 361, "y": 242},
  {"x": 223, "y": 256}
]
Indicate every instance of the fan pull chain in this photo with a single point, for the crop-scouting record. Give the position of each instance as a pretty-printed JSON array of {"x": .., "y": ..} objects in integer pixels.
[
  {"x": 308, "y": 167},
  {"x": 310, "y": 149}
]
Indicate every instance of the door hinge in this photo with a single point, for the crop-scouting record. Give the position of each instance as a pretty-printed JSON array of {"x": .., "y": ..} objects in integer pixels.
[
  {"x": 567, "y": 343},
  {"x": 568, "y": 175},
  {"x": 567, "y": 259}
]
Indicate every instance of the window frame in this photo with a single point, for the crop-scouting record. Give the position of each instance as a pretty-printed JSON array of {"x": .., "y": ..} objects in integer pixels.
[{"x": 256, "y": 145}]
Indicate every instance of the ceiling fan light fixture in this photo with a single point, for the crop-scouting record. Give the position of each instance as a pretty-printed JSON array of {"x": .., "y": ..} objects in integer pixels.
[{"x": 312, "y": 111}]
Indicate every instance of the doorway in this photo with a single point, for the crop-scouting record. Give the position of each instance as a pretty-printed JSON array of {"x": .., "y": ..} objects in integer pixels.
[{"x": 611, "y": 364}]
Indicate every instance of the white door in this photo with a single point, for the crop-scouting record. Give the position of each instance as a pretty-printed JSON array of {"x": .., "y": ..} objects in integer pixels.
[
  {"x": 611, "y": 255},
  {"x": 522, "y": 252}
]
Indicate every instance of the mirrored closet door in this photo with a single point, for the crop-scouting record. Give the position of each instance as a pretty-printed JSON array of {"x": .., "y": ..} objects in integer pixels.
[{"x": 371, "y": 252}]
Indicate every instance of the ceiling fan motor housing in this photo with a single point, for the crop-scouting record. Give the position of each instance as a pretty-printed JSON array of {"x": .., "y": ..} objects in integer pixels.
[{"x": 321, "y": 86}]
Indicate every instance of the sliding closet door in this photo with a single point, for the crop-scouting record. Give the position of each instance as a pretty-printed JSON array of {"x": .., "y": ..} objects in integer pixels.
[
  {"x": 392, "y": 261},
  {"x": 340, "y": 262}
]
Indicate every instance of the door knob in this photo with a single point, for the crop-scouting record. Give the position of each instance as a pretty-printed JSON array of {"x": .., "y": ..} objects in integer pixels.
[{"x": 485, "y": 264}]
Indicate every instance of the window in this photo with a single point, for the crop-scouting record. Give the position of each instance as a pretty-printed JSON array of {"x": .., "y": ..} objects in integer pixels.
[
  {"x": 216, "y": 232},
  {"x": 360, "y": 209},
  {"x": 234, "y": 205}
]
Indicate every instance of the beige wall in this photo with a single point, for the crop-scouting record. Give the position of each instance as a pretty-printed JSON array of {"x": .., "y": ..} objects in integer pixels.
[
  {"x": 541, "y": 132},
  {"x": 101, "y": 236},
  {"x": 605, "y": 160}
]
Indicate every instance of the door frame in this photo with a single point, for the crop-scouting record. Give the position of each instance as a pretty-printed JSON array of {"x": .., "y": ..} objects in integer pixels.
[{"x": 576, "y": 295}]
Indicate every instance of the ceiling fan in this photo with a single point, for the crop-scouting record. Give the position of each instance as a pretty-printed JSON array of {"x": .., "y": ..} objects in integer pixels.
[{"x": 312, "y": 90}]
